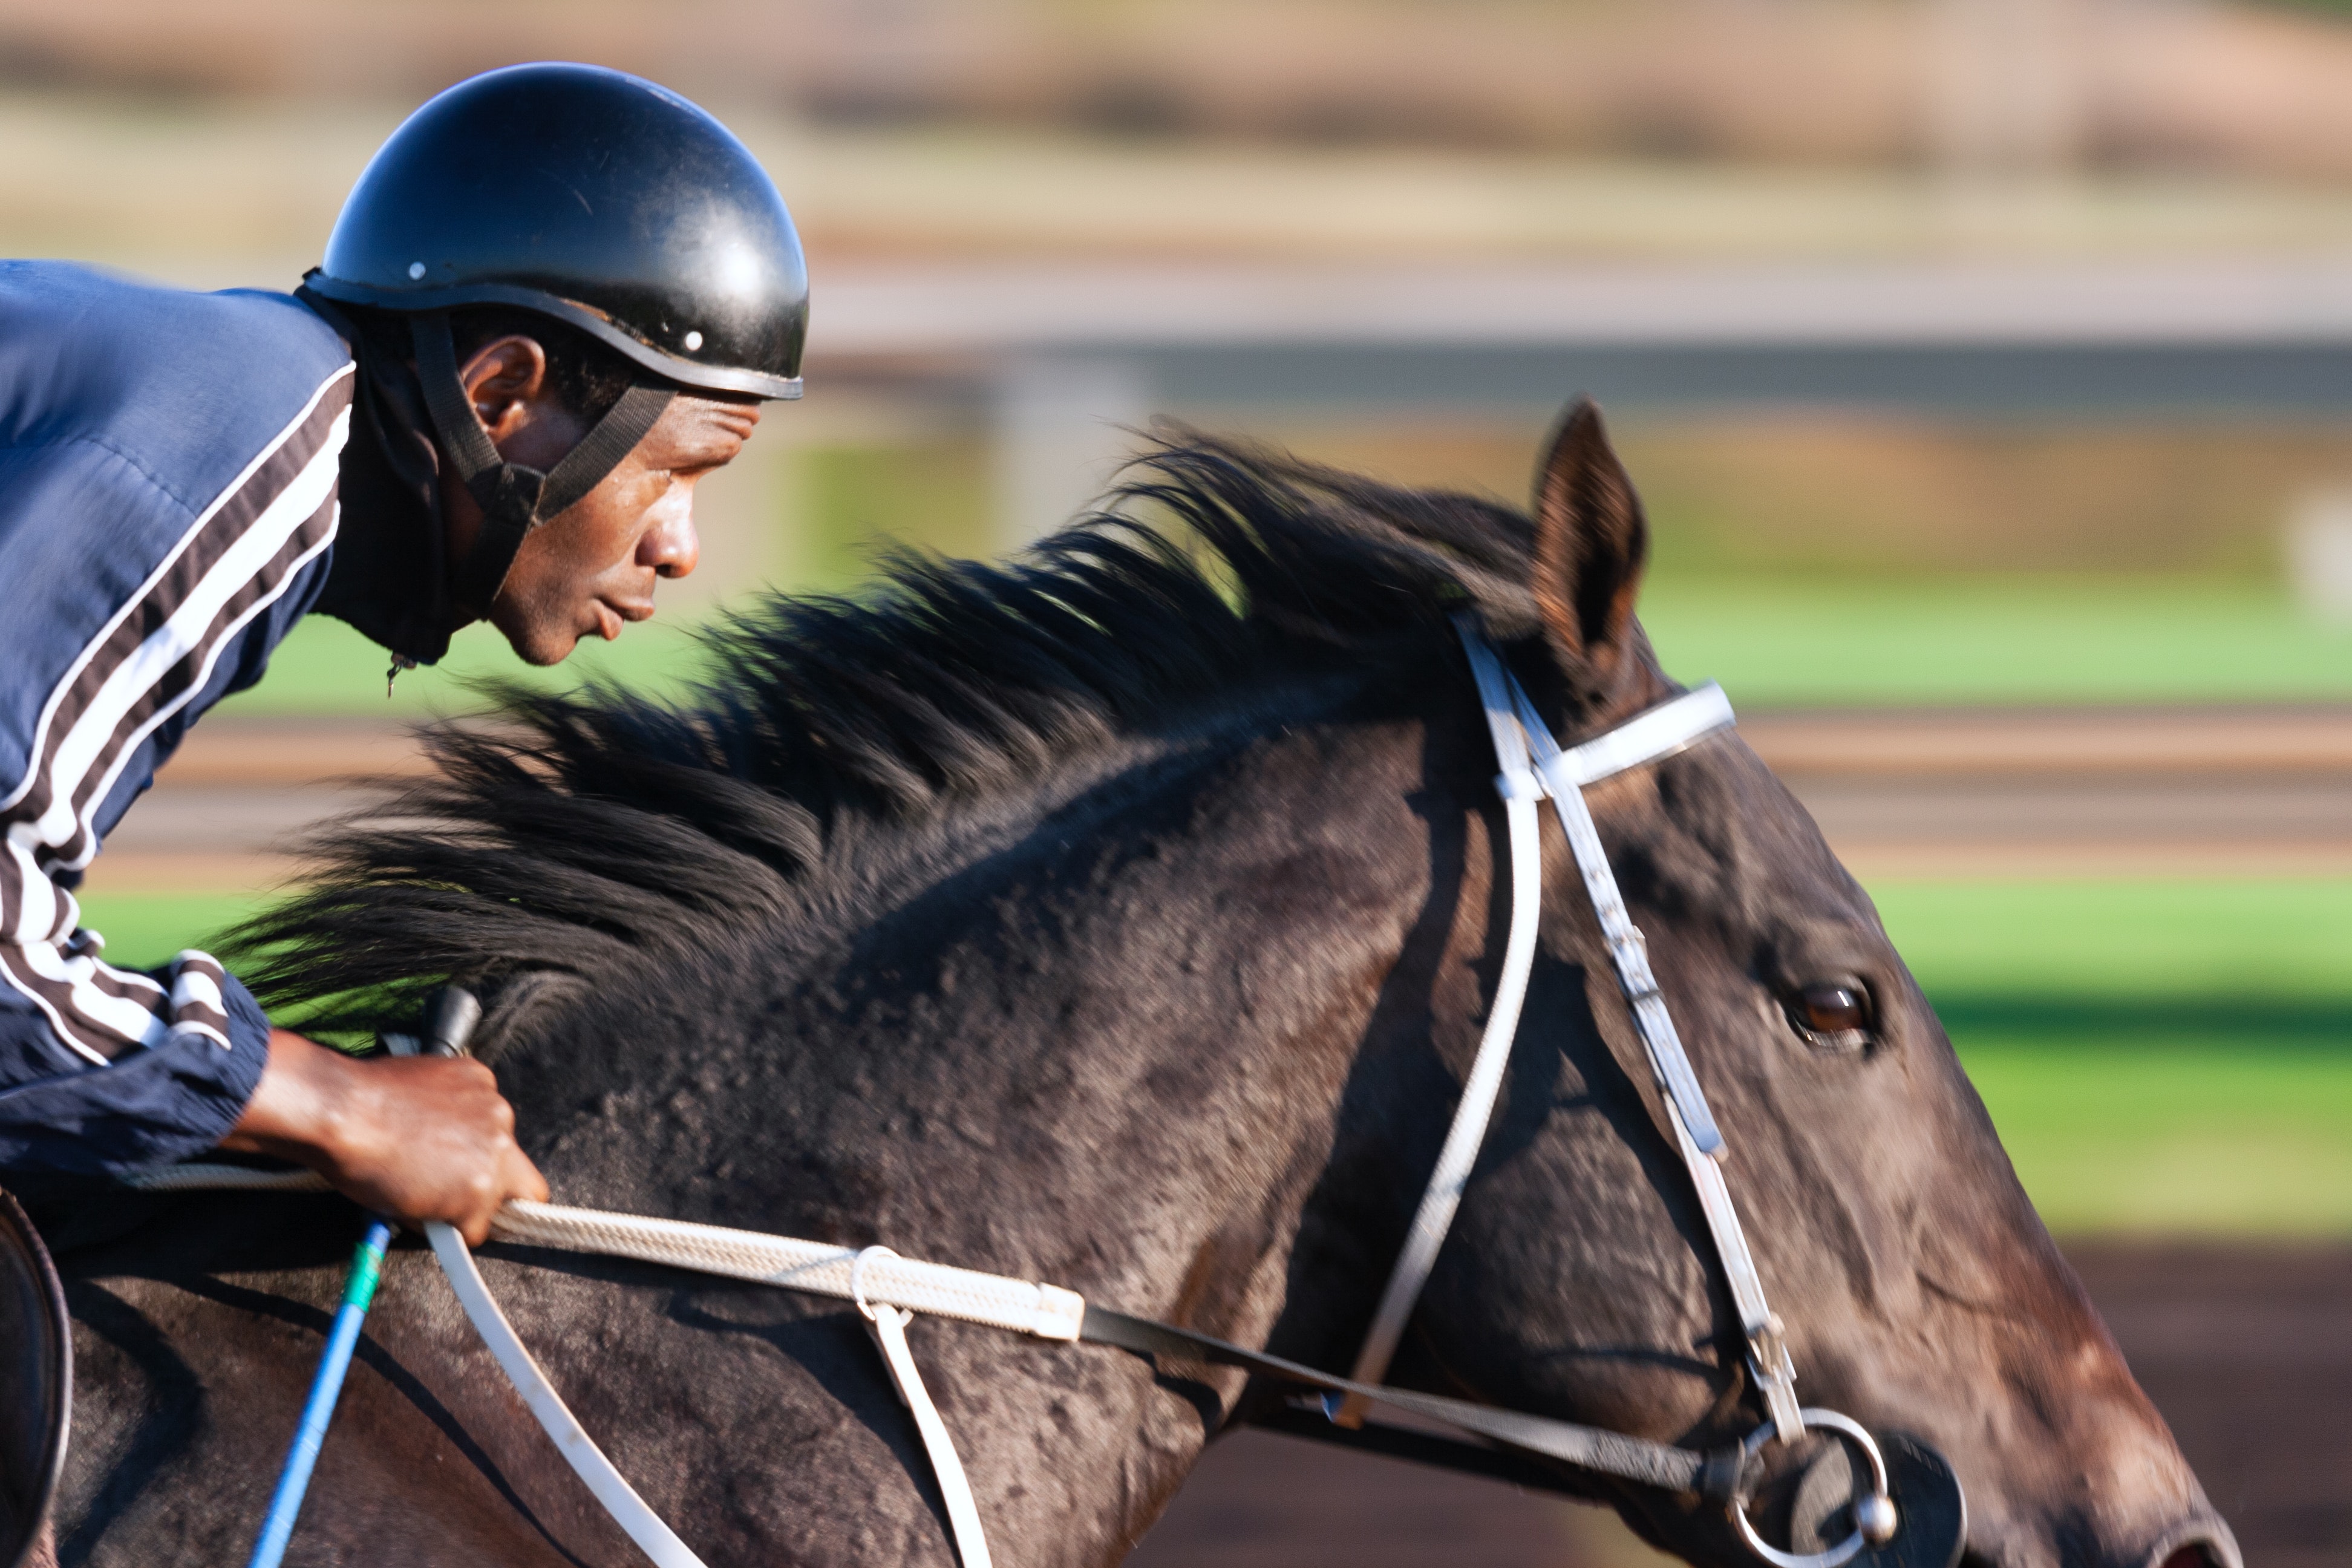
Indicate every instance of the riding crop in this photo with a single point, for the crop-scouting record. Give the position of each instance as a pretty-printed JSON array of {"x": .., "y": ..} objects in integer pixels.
[{"x": 449, "y": 1019}]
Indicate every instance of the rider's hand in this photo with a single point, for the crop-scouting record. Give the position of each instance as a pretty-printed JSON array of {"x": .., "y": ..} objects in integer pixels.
[{"x": 412, "y": 1137}]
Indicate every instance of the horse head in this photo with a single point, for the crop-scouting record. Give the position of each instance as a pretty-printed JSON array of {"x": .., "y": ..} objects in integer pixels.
[
  {"x": 1125, "y": 918},
  {"x": 1919, "y": 1290}
]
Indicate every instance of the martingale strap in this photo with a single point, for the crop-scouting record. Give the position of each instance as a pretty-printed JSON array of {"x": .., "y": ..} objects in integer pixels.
[{"x": 607, "y": 1484}]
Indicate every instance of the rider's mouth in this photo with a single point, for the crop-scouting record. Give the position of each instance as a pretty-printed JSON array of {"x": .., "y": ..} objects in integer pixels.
[{"x": 611, "y": 617}]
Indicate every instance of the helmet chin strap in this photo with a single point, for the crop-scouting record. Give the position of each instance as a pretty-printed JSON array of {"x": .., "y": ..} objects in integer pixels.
[{"x": 515, "y": 497}]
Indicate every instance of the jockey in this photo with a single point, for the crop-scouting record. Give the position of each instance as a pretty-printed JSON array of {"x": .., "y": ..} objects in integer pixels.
[{"x": 554, "y": 299}]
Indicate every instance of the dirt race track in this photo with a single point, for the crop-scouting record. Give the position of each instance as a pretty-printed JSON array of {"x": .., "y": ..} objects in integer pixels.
[
  {"x": 2255, "y": 791},
  {"x": 2246, "y": 1349}
]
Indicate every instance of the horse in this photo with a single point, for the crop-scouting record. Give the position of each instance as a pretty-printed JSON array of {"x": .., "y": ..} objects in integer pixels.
[{"x": 1121, "y": 915}]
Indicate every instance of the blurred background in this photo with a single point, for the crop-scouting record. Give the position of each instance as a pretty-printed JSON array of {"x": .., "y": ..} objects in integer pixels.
[{"x": 1986, "y": 367}]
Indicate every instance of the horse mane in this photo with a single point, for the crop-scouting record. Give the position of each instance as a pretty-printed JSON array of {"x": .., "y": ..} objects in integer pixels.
[{"x": 576, "y": 834}]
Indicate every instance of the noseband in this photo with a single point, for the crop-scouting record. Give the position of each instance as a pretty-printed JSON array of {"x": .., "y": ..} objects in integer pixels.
[{"x": 887, "y": 1287}]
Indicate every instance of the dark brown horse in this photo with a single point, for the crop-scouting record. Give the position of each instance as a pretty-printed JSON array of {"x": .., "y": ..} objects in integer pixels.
[{"x": 1122, "y": 918}]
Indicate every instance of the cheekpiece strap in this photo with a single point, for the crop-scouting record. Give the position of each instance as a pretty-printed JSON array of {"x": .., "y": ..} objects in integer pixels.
[
  {"x": 1662, "y": 732},
  {"x": 600, "y": 451}
]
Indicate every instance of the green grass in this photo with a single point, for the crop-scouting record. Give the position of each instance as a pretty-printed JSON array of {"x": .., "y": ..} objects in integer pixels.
[
  {"x": 2159, "y": 1057},
  {"x": 325, "y": 667},
  {"x": 144, "y": 930},
  {"x": 1771, "y": 643},
  {"x": 2112, "y": 942},
  {"x": 2024, "y": 639},
  {"x": 2227, "y": 1135}
]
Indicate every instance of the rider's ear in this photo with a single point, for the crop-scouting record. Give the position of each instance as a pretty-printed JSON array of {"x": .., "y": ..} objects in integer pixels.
[
  {"x": 502, "y": 377},
  {"x": 1591, "y": 544}
]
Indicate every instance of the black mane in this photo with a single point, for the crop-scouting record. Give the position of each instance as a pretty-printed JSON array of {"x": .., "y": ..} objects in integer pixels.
[{"x": 578, "y": 832}]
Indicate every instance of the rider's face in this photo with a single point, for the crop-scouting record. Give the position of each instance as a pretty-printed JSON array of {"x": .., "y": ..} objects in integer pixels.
[{"x": 592, "y": 567}]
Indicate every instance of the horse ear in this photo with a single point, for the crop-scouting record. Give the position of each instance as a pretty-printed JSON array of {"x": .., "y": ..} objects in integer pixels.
[{"x": 1591, "y": 545}]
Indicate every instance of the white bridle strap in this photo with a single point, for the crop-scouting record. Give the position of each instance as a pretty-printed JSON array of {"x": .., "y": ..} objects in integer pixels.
[
  {"x": 1662, "y": 732},
  {"x": 1647, "y": 737},
  {"x": 1668, "y": 728},
  {"x": 1520, "y": 792},
  {"x": 1520, "y": 736},
  {"x": 608, "y": 1485},
  {"x": 889, "y": 1324}
]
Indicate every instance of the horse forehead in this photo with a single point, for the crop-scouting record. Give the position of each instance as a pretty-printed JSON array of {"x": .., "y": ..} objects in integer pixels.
[{"x": 1712, "y": 837}]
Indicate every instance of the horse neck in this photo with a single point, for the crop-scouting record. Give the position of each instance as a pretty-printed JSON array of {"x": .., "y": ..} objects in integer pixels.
[{"x": 1108, "y": 1052}]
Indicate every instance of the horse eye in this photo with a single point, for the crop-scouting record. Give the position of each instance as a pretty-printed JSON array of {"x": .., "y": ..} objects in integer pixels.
[
  {"x": 1829, "y": 1009},
  {"x": 1832, "y": 1016}
]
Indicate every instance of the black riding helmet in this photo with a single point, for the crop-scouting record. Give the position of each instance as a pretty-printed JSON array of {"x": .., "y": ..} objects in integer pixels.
[{"x": 599, "y": 199}]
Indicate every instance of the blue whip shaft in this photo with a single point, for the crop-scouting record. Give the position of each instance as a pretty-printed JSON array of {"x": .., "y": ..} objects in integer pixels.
[{"x": 359, "y": 1289}]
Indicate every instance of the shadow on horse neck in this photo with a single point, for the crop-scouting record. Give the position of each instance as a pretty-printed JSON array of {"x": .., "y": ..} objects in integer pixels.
[{"x": 1122, "y": 917}]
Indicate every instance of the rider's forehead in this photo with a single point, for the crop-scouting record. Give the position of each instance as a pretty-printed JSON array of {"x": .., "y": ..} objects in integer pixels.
[{"x": 696, "y": 425}]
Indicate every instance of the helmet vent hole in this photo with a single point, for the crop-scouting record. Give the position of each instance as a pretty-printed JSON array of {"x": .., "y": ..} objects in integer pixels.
[
  {"x": 416, "y": 270},
  {"x": 693, "y": 342}
]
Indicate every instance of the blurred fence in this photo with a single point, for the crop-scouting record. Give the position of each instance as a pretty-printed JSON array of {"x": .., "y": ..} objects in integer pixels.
[{"x": 1063, "y": 359}]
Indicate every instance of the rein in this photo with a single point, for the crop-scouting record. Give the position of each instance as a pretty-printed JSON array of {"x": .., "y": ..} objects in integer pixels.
[{"x": 889, "y": 1289}]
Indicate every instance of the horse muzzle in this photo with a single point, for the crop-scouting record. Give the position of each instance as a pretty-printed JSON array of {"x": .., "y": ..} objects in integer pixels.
[
  {"x": 1808, "y": 1510},
  {"x": 2200, "y": 1543},
  {"x": 1820, "y": 1497}
]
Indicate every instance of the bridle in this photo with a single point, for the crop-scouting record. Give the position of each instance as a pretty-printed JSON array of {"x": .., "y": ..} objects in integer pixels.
[
  {"x": 887, "y": 1288},
  {"x": 1533, "y": 767}
]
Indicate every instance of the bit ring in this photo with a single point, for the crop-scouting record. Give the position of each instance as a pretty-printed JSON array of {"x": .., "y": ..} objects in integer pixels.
[{"x": 1876, "y": 1518}]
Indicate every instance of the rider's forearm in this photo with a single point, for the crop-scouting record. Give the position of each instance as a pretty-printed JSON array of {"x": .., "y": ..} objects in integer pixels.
[{"x": 307, "y": 1108}]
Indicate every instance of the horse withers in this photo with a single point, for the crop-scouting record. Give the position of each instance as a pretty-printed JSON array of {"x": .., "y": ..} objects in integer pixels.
[{"x": 1123, "y": 917}]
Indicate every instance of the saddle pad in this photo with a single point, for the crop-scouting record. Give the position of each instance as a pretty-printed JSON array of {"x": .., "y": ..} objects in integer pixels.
[{"x": 36, "y": 1384}]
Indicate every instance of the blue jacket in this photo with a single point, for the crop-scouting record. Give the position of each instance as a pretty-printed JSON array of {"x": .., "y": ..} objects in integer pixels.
[{"x": 168, "y": 473}]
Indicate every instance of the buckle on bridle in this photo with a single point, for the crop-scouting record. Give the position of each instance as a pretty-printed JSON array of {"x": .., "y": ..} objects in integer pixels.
[{"x": 1775, "y": 1371}]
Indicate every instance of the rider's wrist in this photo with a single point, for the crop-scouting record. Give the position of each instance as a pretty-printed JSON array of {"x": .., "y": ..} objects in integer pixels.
[{"x": 305, "y": 1108}]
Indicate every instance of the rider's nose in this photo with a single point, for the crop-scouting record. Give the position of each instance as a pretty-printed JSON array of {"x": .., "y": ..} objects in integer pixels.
[{"x": 671, "y": 546}]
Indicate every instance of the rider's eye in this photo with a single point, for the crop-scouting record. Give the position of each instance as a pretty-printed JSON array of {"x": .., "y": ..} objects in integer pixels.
[{"x": 1832, "y": 1016}]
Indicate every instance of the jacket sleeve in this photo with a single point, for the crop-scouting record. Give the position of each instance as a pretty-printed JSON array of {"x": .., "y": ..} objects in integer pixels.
[
  {"x": 187, "y": 1046},
  {"x": 105, "y": 1069}
]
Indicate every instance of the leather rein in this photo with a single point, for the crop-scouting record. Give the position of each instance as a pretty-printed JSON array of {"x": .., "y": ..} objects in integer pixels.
[{"x": 1518, "y": 1447}]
